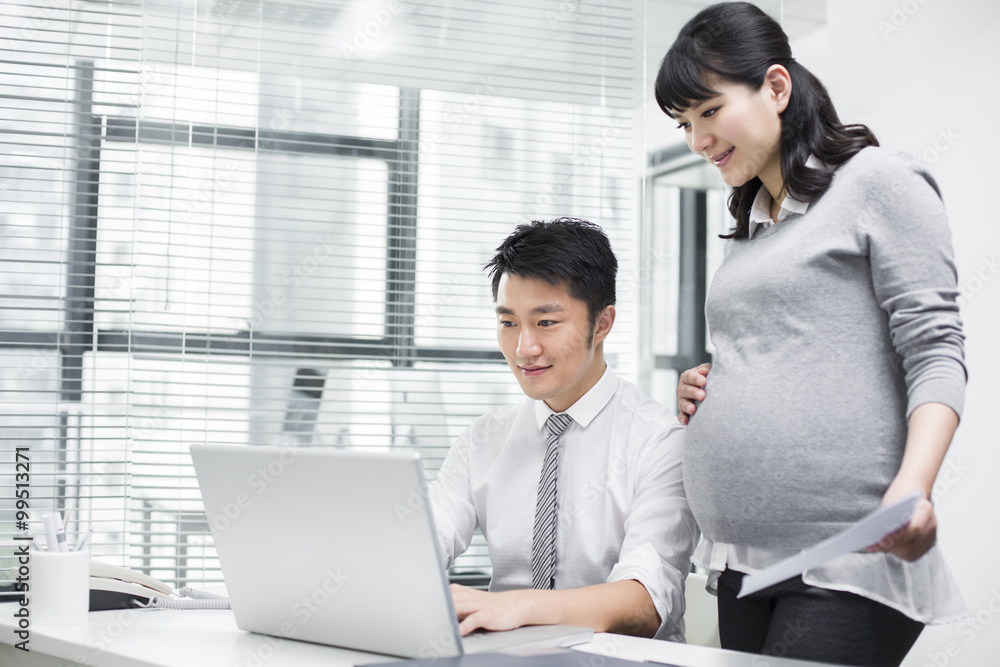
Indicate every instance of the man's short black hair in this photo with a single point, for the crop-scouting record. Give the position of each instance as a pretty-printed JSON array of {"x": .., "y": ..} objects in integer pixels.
[{"x": 564, "y": 250}]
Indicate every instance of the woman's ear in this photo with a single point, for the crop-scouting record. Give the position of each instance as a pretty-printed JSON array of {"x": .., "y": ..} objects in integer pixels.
[{"x": 779, "y": 85}]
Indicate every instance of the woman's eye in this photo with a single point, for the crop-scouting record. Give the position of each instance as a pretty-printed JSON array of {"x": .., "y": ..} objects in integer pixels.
[
  {"x": 683, "y": 126},
  {"x": 709, "y": 112}
]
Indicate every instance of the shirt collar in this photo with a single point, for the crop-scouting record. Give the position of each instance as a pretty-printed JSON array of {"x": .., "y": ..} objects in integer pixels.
[
  {"x": 760, "y": 212},
  {"x": 587, "y": 406}
]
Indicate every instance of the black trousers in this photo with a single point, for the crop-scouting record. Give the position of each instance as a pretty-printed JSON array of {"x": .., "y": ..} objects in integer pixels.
[{"x": 795, "y": 620}]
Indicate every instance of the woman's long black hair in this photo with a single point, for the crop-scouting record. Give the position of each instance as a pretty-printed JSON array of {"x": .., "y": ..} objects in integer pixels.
[{"x": 739, "y": 42}]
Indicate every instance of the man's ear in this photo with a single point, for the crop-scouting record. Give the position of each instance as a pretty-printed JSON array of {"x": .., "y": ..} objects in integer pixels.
[{"x": 605, "y": 320}]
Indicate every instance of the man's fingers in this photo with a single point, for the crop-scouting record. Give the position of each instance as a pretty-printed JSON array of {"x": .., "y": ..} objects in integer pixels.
[
  {"x": 462, "y": 609},
  {"x": 469, "y": 623},
  {"x": 462, "y": 600}
]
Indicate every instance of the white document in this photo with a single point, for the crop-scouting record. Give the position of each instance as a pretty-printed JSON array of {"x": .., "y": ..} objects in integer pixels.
[{"x": 864, "y": 533}]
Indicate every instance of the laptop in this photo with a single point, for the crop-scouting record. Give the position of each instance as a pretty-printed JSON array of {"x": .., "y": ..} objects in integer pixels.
[{"x": 338, "y": 547}]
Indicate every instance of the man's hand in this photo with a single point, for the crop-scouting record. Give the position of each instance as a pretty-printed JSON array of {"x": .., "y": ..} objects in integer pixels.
[
  {"x": 489, "y": 611},
  {"x": 622, "y": 607},
  {"x": 690, "y": 389},
  {"x": 915, "y": 538}
]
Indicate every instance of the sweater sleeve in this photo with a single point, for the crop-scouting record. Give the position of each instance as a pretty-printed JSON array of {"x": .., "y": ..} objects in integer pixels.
[{"x": 915, "y": 281}]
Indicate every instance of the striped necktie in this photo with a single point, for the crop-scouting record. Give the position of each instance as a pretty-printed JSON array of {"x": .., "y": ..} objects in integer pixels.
[{"x": 543, "y": 540}]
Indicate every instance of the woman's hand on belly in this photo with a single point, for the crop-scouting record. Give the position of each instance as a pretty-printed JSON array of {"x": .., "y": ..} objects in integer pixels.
[{"x": 690, "y": 388}]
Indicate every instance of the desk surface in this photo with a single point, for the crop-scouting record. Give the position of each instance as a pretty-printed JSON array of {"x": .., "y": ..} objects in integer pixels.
[{"x": 163, "y": 638}]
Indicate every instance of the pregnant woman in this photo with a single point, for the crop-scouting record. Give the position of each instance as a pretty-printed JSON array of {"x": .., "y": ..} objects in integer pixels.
[{"x": 839, "y": 375}]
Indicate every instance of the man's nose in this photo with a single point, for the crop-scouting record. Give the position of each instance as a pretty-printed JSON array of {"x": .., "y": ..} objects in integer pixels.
[{"x": 527, "y": 344}]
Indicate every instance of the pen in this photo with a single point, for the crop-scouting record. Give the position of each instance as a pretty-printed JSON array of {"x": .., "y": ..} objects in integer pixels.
[
  {"x": 84, "y": 539},
  {"x": 49, "y": 520},
  {"x": 61, "y": 533}
]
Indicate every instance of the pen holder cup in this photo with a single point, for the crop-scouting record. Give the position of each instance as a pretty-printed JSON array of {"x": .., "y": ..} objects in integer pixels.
[{"x": 59, "y": 587}]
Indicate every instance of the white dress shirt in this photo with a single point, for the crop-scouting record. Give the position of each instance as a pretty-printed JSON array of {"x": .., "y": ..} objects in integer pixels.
[
  {"x": 760, "y": 211},
  {"x": 622, "y": 509},
  {"x": 924, "y": 590}
]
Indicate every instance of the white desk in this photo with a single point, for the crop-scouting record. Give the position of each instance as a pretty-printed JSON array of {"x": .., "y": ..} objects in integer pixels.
[{"x": 162, "y": 638}]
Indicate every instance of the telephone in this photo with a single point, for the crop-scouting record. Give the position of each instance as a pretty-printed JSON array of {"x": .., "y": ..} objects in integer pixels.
[{"x": 113, "y": 587}]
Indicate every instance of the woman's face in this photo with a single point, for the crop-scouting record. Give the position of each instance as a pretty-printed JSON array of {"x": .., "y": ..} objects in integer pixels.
[{"x": 739, "y": 130}]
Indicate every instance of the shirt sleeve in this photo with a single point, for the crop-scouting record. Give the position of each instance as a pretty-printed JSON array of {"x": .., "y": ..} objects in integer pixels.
[
  {"x": 451, "y": 501},
  {"x": 660, "y": 530},
  {"x": 915, "y": 281}
]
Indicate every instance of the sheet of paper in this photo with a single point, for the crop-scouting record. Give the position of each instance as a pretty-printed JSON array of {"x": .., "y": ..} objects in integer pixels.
[{"x": 864, "y": 533}]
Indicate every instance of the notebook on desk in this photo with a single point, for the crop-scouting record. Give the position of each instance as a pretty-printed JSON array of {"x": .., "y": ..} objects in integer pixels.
[{"x": 338, "y": 547}]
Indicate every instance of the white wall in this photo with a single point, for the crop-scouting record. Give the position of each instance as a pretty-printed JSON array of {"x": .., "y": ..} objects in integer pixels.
[{"x": 924, "y": 76}]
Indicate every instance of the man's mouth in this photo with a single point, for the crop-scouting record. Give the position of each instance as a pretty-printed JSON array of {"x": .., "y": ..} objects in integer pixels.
[{"x": 531, "y": 371}]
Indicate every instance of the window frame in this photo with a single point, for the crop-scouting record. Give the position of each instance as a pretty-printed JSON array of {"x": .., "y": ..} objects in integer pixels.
[
  {"x": 692, "y": 328},
  {"x": 80, "y": 333}
]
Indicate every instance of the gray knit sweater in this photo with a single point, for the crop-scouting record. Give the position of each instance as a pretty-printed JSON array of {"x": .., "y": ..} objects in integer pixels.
[{"x": 830, "y": 328}]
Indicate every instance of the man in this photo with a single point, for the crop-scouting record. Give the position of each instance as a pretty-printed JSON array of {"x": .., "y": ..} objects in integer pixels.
[{"x": 578, "y": 489}]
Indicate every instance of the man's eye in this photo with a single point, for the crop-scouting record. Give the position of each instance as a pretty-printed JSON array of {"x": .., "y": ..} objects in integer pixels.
[
  {"x": 546, "y": 323},
  {"x": 506, "y": 324}
]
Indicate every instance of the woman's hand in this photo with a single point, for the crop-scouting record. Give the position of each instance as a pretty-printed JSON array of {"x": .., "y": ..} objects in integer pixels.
[
  {"x": 689, "y": 390},
  {"x": 930, "y": 429},
  {"x": 915, "y": 538}
]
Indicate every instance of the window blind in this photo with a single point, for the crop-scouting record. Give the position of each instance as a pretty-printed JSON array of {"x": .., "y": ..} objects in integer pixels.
[{"x": 257, "y": 222}]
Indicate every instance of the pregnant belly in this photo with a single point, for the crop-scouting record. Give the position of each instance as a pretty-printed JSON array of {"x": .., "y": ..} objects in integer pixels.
[{"x": 758, "y": 455}]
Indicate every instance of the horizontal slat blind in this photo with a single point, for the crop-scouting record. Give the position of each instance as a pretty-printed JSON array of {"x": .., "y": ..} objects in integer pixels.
[{"x": 265, "y": 222}]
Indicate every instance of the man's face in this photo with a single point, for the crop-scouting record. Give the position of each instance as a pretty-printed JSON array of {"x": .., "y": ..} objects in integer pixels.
[{"x": 545, "y": 336}]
